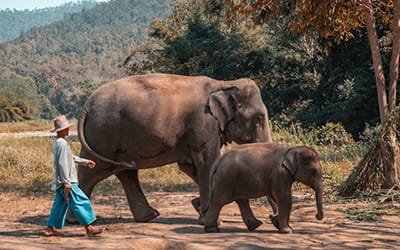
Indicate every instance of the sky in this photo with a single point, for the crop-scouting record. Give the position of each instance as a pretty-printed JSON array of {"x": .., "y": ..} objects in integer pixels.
[{"x": 32, "y": 4}]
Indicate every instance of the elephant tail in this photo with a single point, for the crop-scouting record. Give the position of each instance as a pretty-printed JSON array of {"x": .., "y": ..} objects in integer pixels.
[{"x": 86, "y": 146}]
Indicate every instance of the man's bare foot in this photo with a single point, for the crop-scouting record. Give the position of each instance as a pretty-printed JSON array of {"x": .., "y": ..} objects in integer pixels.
[
  {"x": 91, "y": 231},
  {"x": 50, "y": 232}
]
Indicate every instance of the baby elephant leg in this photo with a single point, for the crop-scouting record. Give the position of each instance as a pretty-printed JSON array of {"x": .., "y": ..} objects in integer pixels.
[
  {"x": 211, "y": 218},
  {"x": 284, "y": 203},
  {"x": 247, "y": 214},
  {"x": 274, "y": 216}
]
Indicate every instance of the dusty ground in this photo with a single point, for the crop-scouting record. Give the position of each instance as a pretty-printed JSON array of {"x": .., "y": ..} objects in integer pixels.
[{"x": 23, "y": 218}]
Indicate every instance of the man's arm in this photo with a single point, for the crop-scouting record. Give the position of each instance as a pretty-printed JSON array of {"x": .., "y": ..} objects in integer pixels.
[{"x": 83, "y": 161}]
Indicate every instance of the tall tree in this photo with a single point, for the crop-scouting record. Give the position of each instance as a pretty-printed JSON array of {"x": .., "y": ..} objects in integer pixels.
[{"x": 337, "y": 21}]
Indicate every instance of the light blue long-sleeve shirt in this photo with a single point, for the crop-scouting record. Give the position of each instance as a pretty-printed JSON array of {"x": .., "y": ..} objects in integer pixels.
[{"x": 65, "y": 171}]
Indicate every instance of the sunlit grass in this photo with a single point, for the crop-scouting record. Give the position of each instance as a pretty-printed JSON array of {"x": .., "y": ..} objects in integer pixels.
[
  {"x": 28, "y": 163},
  {"x": 37, "y": 125},
  {"x": 25, "y": 162},
  {"x": 33, "y": 125}
]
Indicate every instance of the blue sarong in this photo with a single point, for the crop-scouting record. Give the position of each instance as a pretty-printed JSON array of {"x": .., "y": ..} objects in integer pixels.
[{"x": 79, "y": 204}]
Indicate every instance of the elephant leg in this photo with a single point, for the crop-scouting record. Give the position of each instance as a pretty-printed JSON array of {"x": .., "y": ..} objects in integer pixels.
[
  {"x": 141, "y": 210},
  {"x": 211, "y": 217},
  {"x": 284, "y": 202},
  {"x": 203, "y": 165},
  {"x": 190, "y": 171},
  {"x": 204, "y": 197},
  {"x": 274, "y": 216},
  {"x": 247, "y": 214}
]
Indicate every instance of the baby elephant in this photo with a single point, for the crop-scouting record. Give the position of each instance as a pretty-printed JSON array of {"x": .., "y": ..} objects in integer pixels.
[{"x": 262, "y": 169}]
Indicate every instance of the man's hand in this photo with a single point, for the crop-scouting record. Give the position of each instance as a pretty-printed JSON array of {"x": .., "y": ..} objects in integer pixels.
[
  {"x": 67, "y": 189},
  {"x": 91, "y": 164}
]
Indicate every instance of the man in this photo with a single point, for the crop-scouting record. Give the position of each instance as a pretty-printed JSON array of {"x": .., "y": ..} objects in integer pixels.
[{"x": 66, "y": 183}]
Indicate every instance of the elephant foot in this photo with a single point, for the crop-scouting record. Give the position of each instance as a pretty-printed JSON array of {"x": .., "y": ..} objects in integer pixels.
[
  {"x": 274, "y": 220},
  {"x": 253, "y": 225},
  {"x": 196, "y": 204},
  {"x": 201, "y": 220},
  {"x": 286, "y": 230},
  {"x": 211, "y": 229},
  {"x": 152, "y": 214}
]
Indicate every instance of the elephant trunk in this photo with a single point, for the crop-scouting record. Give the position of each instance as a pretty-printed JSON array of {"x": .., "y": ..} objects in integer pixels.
[
  {"x": 318, "y": 198},
  {"x": 263, "y": 133},
  {"x": 267, "y": 130}
]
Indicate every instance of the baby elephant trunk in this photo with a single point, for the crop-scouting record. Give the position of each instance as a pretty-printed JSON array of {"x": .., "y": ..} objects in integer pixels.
[{"x": 318, "y": 198}]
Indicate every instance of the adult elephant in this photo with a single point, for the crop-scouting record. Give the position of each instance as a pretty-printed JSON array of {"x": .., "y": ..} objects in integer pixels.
[{"x": 152, "y": 120}]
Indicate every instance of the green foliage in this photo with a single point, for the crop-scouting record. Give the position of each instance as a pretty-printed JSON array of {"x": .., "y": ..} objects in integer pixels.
[
  {"x": 331, "y": 140},
  {"x": 205, "y": 50},
  {"x": 332, "y": 134},
  {"x": 346, "y": 93}
]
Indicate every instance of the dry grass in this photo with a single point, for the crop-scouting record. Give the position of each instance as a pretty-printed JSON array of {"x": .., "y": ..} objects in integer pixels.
[
  {"x": 369, "y": 174},
  {"x": 28, "y": 162},
  {"x": 39, "y": 125},
  {"x": 33, "y": 125},
  {"x": 25, "y": 161}
]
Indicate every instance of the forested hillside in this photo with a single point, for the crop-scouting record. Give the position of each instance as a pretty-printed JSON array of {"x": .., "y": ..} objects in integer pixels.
[
  {"x": 15, "y": 22},
  {"x": 69, "y": 58}
]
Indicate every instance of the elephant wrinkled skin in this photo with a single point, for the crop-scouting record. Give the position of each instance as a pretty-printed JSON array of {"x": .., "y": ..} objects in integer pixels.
[
  {"x": 262, "y": 169},
  {"x": 152, "y": 120}
]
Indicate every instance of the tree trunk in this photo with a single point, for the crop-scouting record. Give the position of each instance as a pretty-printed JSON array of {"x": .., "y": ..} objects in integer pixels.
[
  {"x": 389, "y": 170},
  {"x": 394, "y": 63},
  {"x": 376, "y": 60},
  {"x": 391, "y": 173}
]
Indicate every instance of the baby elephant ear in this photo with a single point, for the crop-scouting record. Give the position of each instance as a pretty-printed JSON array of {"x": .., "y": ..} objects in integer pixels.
[
  {"x": 289, "y": 161},
  {"x": 220, "y": 103}
]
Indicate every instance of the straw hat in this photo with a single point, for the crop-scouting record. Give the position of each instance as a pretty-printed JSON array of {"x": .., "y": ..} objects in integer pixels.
[{"x": 60, "y": 123}]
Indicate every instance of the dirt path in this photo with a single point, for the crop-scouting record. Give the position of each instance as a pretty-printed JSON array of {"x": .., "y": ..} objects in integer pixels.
[{"x": 22, "y": 220}]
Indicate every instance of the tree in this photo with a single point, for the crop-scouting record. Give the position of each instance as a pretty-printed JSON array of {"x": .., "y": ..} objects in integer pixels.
[
  {"x": 337, "y": 21},
  {"x": 20, "y": 100}
]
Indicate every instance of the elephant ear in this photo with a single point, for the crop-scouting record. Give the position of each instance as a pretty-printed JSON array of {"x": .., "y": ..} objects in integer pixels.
[
  {"x": 222, "y": 106},
  {"x": 289, "y": 161}
]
